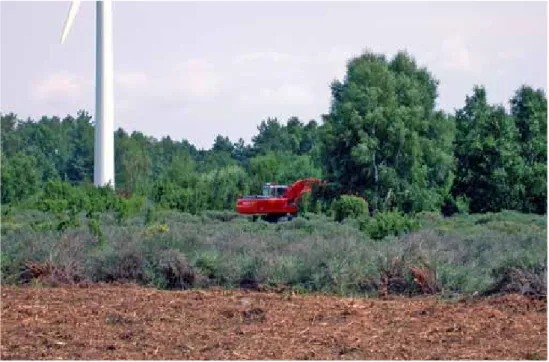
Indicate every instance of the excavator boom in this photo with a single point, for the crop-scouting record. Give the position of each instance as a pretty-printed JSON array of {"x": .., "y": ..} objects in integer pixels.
[{"x": 298, "y": 188}]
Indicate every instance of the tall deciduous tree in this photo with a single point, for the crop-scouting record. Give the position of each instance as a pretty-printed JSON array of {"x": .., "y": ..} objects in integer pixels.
[
  {"x": 383, "y": 136},
  {"x": 20, "y": 177},
  {"x": 134, "y": 164},
  {"x": 529, "y": 111},
  {"x": 489, "y": 165},
  {"x": 79, "y": 165}
]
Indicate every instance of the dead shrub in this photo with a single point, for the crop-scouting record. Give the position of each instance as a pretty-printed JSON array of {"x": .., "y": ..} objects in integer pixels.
[
  {"x": 69, "y": 253},
  {"x": 249, "y": 283},
  {"x": 30, "y": 271},
  {"x": 425, "y": 279},
  {"x": 46, "y": 274},
  {"x": 368, "y": 285},
  {"x": 392, "y": 279},
  {"x": 398, "y": 278},
  {"x": 109, "y": 265},
  {"x": 129, "y": 267},
  {"x": 510, "y": 280},
  {"x": 177, "y": 270}
]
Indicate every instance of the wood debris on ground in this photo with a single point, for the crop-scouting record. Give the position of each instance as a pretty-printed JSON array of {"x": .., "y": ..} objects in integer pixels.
[{"x": 130, "y": 322}]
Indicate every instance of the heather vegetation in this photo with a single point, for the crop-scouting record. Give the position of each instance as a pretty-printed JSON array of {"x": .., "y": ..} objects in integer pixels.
[
  {"x": 169, "y": 249},
  {"x": 417, "y": 200}
]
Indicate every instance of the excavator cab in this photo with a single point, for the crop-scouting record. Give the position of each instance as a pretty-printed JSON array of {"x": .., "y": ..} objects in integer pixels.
[{"x": 278, "y": 191}]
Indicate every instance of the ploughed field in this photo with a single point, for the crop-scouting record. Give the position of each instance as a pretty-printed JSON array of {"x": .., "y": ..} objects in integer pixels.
[{"x": 130, "y": 322}]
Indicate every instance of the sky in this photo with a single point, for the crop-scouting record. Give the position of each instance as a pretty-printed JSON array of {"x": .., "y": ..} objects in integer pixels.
[{"x": 194, "y": 70}]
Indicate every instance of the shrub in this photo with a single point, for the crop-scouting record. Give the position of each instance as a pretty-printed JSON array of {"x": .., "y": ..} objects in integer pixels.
[
  {"x": 451, "y": 205},
  {"x": 207, "y": 262},
  {"x": 94, "y": 227},
  {"x": 150, "y": 216},
  {"x": 223, "y": 216},
  {"x": 69, "y": 220},
  {"x": 400, "y": 277},
  {"x": 388, "y": 223},
  {"x": 176, "y": 270},
  {"x": 122, "y": 210},
  {"x": 110, "y": 264},
  {"x": 349, "y": 206},
  {"x": 466, "y": 253},
  {"x": 304, "y": 203},
  {"x": 308, "y": 203},
  {"x": 155, "y": 229},
  {"x": 428, "y": 218},
  {"x": 54, "y": 206},
  {"x": 251, "y": 268},
  {"x": 532, "y": 281}
]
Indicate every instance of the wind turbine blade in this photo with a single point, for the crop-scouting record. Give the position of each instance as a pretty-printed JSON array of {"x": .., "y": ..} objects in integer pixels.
[{"x": 70, "y": 18}]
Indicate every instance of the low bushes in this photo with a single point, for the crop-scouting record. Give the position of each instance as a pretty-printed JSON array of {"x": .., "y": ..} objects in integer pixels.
[
  {"x": 388, "y": 224},
  {"x": 179, "y": 251}
]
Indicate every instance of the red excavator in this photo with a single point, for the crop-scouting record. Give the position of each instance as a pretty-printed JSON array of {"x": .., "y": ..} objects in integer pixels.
[{"x": 278, "y": 202}]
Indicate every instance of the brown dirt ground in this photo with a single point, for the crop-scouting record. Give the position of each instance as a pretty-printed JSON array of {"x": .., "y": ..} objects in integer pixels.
[{"x": 129, "y": 322}]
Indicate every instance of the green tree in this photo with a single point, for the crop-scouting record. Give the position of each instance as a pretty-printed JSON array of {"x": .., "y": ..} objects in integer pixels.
[
  {"x": 263, "y": 168},
  {"x": 222, "y": 144},
  {"x": 242, "y": 152},
  {"x": 529, "y": 111},
  {"x": 134, "y": 164},
  {"x": 489, "y": 166},
  {"x": 383, "y": 136},
  {"x": 9, "y": 137},
  {"x": 270, "y": 136},
  {"x": 223, "y": 186},
  {"x": 79, "y": 164},
  {"x": 20, "y": 177}
]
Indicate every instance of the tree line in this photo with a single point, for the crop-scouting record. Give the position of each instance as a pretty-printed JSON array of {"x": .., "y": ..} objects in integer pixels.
[{"x": 383, "y": 139}]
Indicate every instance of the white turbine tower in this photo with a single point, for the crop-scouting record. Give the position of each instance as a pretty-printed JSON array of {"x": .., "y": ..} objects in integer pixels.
[{"x": 103, "y": 173}]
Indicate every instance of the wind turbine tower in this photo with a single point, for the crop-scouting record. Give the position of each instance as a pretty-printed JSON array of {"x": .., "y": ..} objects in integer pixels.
[{"x": 103, "y": 172}]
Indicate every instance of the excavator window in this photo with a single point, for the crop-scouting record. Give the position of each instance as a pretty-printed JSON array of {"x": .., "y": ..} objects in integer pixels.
[
  {"x": 280, "y": 190},
  {"x": 274, "y": 190}
]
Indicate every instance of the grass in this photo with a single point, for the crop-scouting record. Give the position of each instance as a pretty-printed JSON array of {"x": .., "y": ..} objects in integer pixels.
[{"x": 172, "y": 250}]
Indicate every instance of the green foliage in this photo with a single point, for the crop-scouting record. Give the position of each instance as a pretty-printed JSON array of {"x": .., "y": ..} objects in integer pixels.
[
  {"x": 529, "y": 112},
  {"x": 94, "y": 226},
  {"x": 122, "y": 210},
  {"x": 171, "y": 222},
  {"x": 150, "y": 216},
  {"x": 490, "y": 168},
  {"x": 468, "y": 252},
  {"x": 349, "y": 206},
  {"x": 305, "y": 204},
  {"x": 69, "y": 220},
  {"x": 383, "y": 137},
  {"x": 389, "y": 223},
  {"x": 20, "y": 177},
  {"x": 296, "y": 137},
  {"x": 207, "y": 262},
  {"x": 55, "y": 206},
  {"x": 462, "y": 204},
  {"x": 453, "y": 205}
]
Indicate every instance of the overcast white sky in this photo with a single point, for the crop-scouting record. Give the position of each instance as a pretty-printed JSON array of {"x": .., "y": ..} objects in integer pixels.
[{"x": 194, "y": 70}]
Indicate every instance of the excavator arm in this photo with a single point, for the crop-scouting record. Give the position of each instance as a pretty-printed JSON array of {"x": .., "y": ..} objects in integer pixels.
[{"x": 298, "y": 188}]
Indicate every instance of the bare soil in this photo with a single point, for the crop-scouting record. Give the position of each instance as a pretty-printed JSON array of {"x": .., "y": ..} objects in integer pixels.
[{"x": 130, "y": 322}]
